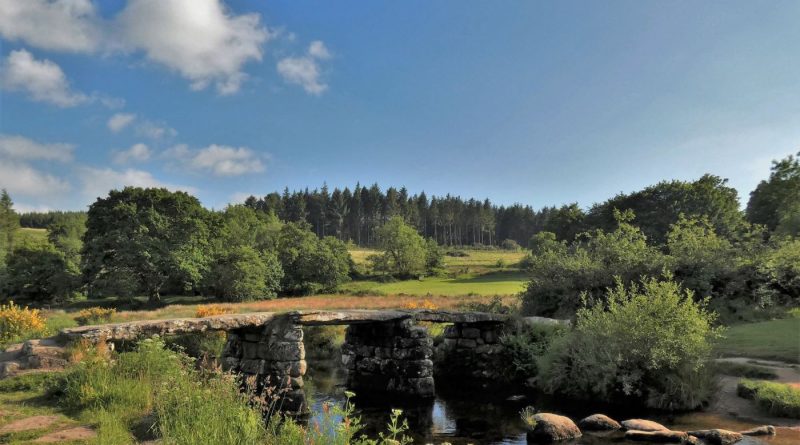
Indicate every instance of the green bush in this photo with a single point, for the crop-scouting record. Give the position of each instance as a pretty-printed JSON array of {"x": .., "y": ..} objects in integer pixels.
[
  {"x": 778, "y": 399},
  {"x": 525, "y": 346},
  {"x": 311, "y": 264},
  {"x": 648, "y": 344}
]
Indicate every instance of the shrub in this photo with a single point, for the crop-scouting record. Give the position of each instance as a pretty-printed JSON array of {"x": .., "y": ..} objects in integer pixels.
[
  {"x": 94, "y": 315},
  {"x": 778, "y": 399},
  {"x": 525, "y": 346},
  {"x": 242, "y": 273},
  {"x": 311, "y": 264},
  {"x": 421, "y": 304},
  {"x": 18, "y": 322},
  {"x": 509, "y": 244},
  {"x": 647, "y": 344},
  {"x": 210, "y": 310},
  {"x": 41, "y": 273}
]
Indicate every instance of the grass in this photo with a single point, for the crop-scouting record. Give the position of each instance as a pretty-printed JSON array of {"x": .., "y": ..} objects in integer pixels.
[
  {"x": 30, "y": 236},
  {"x": 770, "y": 340},
  {"x": 745, "y": 370},
  {"x": 778, "y": 399},
  {"x": 495, "y": 283}
]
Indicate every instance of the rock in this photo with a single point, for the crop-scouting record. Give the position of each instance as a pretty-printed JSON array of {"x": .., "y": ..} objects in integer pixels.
[
  {"x": 764, "y": 430},
  {"x": 552, "y": 427},
  {"x": 643, "y": 425},
  {"x": 599, "y": 422},
  {"x": 717, "y": 436},
  {"x": 470, "y": 333},
  {"x": 657, "y": 436}
]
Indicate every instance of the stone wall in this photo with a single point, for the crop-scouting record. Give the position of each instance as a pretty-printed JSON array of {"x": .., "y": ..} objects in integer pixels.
[
  {"x": 392, "y": 357},
  {"x": 471, "y": 351},
  {"x": 273, "y": 357}
]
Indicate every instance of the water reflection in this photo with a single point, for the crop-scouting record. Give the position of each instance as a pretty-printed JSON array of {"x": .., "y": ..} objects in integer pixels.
[{"x": 467, "y": 415}]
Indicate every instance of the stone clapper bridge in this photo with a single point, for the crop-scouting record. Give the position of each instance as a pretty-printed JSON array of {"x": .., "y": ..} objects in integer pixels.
[{"x": 384, "y": 350}]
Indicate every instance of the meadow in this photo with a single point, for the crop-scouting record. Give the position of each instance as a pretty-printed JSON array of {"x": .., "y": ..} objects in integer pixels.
[{"x": 770, "y": 340}]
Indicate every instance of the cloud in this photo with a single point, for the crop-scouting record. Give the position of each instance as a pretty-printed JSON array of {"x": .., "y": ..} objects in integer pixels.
[
  {"x": 219, "y": 160},
  {"x": 22, "y": 179},
  {"x": 97, "y": 182},
  {"x": 199, "y": 39},
  {"x": 153, "y": 130},
  {"x": 240, "y": 197},
  {"x": 119, "y": 121},
  {"x": 137, "y": 153},
  {"x": 58, "y": 25},
  {"x": 21, "y": 148},
  {"x": 305, "y": 70},
  {"x": 42, "y": 80}
]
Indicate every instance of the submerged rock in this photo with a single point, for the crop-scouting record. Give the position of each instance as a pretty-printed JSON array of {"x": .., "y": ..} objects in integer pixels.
[
  {"x": 717, "y": 436},
  {"x": 599, "y": 422},
  {"x": 657, "y": 436},
  {"x": 552, "y": 427},
  {"x": 643, "y": 425},
  {"x": 764, "y": 430}
]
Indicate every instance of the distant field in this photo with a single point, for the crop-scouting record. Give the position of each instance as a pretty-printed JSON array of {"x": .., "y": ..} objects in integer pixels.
[
  {"x": 30, "y": 236},
  {"x": 477, "y": 258},
  {"x": 494, "y": 283},
  {"x": 774, "y": 339}
]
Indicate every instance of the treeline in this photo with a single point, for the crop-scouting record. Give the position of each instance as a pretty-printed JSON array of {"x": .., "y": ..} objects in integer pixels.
[
  {"x": 40, "y": 220},
  {"x": 451, "y": 220}
]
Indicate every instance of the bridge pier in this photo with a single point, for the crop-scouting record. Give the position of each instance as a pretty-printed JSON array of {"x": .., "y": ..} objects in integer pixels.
[{"x": 390, "y": 356}]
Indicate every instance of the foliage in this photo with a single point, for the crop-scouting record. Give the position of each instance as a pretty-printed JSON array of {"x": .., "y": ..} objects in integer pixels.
[
  {"x": 210, "y": 310},
  {"x": 701, "y": 259},
  {"x": 241, "y": 273},
  {"x": 493, "y": 306},
  {"x": 41, "y": 273},
  {"x": 527, "y": 415},
  {"x": 311, "y": 264},
  {"x": 647, "y": 343},
  {"x": 137, "y": 240},
  {"x": 523, "y": 347},
  {"x": 66, "y": 233},
  {"x": 9, "y": 223},
  {"x": 780, "y": 270},
  {"x": 778, "y": 399},
  {"x": 659, "y": 206},
  {"x": 509, "y": 244},
  {"x": 422, "y": 304},
  {"x": 777, "y": 198},
  {"x": 16, "y": 322},
  {"x": 560, "y": 276},
  {"x": 404, "y": 250},
  {"x": 94, "y": 315}
]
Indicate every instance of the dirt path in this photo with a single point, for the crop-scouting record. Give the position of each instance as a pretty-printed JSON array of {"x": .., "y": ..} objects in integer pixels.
[{"x": 730, "y": 404}]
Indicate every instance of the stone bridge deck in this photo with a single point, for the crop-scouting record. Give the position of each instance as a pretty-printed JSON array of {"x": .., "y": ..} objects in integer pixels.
[{"x": 137, "y": 329}]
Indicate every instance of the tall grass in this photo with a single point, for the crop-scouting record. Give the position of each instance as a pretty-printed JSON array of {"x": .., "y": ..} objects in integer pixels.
[{"x": 778, "y": 399}]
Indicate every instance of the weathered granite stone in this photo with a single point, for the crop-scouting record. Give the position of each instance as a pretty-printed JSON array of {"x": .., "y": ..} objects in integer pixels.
[
  {"x": 717, "y": 436},
  {"x": 552, "y": 427},
  {"x": 764, "y": 430},
  {"x": 470, "y": 333},
  {"x": 643, "y": 425},
  {"x": 598, "y": 422},
  {"x": 657, "y": 436}
]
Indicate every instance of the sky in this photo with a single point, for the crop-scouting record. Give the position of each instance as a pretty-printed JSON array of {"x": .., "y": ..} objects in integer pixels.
[{"x": 537, "y": 102}]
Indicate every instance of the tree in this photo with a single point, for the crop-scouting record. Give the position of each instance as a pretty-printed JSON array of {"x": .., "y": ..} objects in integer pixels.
[
  {"x": 777, "y": 196},
  {"x": 139, "y": 239},
  {"x": 701, "y": 259},
  {"x": 41, "y": 273},
  {"x": 404, "y": 250},
  {"x": 9, "y": 223},
  {"x": 311, "y": 264},
  {"x": 243, "y": 264},
  {"x": 66, "y": 234}
]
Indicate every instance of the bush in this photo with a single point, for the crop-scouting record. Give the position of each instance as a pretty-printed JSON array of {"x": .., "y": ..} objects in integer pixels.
[
  {"x": 41, "y": 273},
  {"x": 778, "y": 399},
  {"x": 94, "y": 315},
  {"x": 19, "y": 322},
  {"x": 241, "y": 273},
  {"x": 311, "y": 264},
  {"x": 525, "y": 346},
  {"x": 646, "y": 344},
  {"x": 509, "y": 244}
]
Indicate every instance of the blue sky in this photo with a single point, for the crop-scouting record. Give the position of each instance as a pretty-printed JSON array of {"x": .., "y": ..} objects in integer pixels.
[{"x": 535, "y": 102}]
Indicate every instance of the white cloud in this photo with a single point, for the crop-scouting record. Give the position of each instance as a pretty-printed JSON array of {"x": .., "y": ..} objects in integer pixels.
[
  {"x": 98, "y": 182},
  {"x": 21, "y": 148},
  {"x": 43, "y": 80},
  {"x": 59, "y": 25},
  {"x": 199, "y": 39},
  {"x": 305, "y": 70},
  {"x": 137, "y": 153},
  {"x": 219, "y": 160},
  {"x": 119, "y": 121},
  {"x": 22, "y": 179},
  {"x": 153, "y": 130}
]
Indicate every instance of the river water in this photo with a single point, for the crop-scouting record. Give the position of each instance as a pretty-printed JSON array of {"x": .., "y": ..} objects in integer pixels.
[{"x": 467, "y": 414}]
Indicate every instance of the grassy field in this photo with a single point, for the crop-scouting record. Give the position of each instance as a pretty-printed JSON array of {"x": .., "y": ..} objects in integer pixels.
[
  {"x": 493, "y": 283},
  {"x": 475, "y": 258},
  {"x": 774, "y": 339},
  {"x": 30, "y": 236}
]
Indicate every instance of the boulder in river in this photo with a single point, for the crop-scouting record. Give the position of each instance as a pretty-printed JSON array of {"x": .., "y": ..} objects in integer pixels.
[
  {"x": 657, "y": 436},
  {"x": 764, "y": 430},
  {"x": 717, "y": 436},
  {"x": 643, "y": 425},
  {"x": 552, "y": 427},
  {"x": 599, "y": 422}
]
